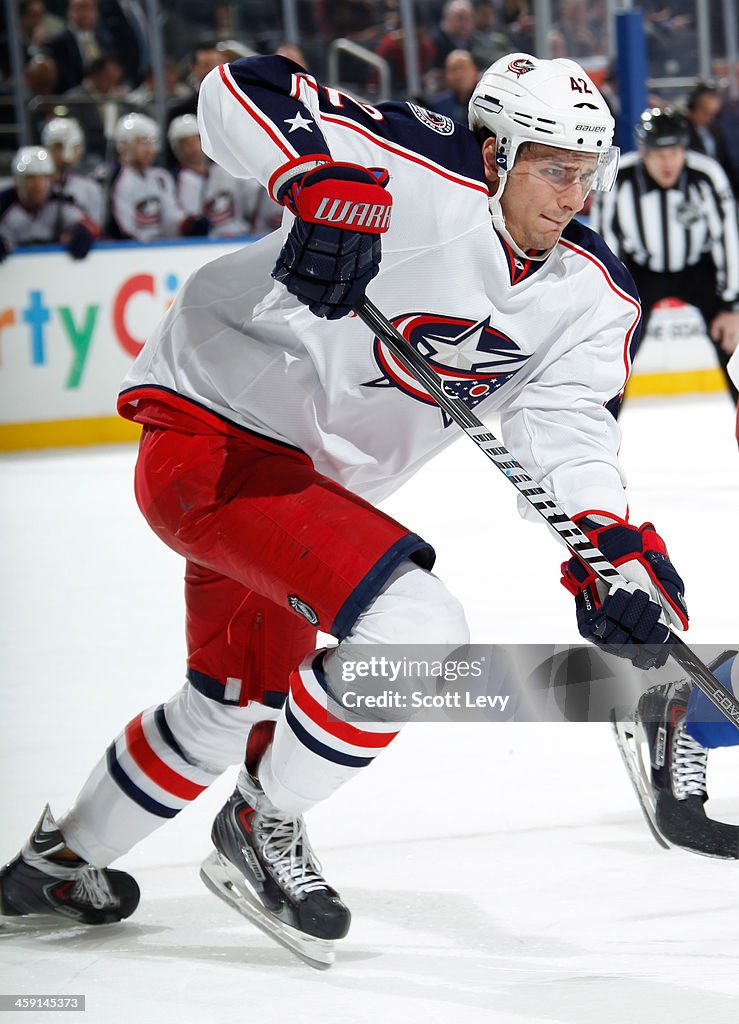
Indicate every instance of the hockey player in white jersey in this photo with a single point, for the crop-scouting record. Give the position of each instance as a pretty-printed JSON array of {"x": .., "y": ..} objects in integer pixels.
[
  {"x": 63, "y": 138},
  {"x": 273, "y": 420},
  {"x": 204, "y": 189},
  {"x": 30, "y": 214},
  {"x": 143, "y": 201}
]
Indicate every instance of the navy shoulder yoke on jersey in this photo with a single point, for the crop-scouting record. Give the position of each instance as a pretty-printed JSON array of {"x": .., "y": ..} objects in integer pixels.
[
  {"x": 585, "y": 238},
  {"x": 273, "y": 83},
  {"x": 591, "y": 242}
]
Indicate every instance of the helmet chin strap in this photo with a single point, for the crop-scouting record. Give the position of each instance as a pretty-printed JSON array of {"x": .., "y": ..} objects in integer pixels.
[{"x": 498, "y": 218}]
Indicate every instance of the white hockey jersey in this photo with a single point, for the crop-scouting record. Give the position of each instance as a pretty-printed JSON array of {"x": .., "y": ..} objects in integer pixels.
[
  {"x": 264, "y": 213},
  {"x": 545, "y": 343},
  {"x": 217, "y": 195},
  {"x": 143, "y": 205},
  {"x": 86, "y": 193},
  {"x": 21, "y": 226}
]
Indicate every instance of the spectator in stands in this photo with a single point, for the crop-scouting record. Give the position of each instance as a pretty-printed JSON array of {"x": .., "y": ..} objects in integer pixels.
[
  {"x": 461, "y": 74},
  {"x": 581, "y": 35},
  {"x": 101, "y": 84},
  {"x": 41, "y": 75},
  {"x": 346, "y": 19},
  {"x": 518, "y": 22},
  {"x": 82, "y": 41},
  {"x": 702, "y": 109},
  {"x": 128, "y": 24},
  {"x": 63, "y": 138},
  {"x": 205, "y": 57},
  {"x": 489, "y": 42},
  {"x": 455, "y": 31},
  {"x": 41, "y": 80},
  {"x": 670, "y": 35},
  {"x": 143, "y": 200},
  {"x": 557, "y": 44},
  {"x": 31, "y": 215},
  {"x": 391, "y": 48},
  {"x": 142, "y": 98},
  {"x": 35, "y": 27}
]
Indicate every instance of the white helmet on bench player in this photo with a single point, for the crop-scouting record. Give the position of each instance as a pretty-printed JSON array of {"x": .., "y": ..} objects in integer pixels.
[
  {"x": 553, "y": 102},
  {"x": 65, "y": 131},
  {"x": 182, "y": 127},
  {"x": 32, "y": 160},
  {"x": 136, "y": 126}
]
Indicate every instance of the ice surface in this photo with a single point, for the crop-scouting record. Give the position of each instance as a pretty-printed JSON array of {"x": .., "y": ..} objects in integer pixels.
[{"x": 497, "y": 873}]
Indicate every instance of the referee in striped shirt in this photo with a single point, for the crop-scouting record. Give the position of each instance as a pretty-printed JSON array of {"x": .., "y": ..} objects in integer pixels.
[{"x": 671, "y": 218}]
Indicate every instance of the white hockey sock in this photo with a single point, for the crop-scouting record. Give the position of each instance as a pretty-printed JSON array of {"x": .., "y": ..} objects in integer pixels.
[
  {"x": 163, "y": 759},
  {"x": 313, "y": 753}
]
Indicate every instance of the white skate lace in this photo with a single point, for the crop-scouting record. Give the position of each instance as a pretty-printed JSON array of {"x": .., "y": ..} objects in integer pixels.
[
  {"x": 689, "y": 765},
  {"x": 93, "y": 887},
  {"x": 287, "y": 851}
]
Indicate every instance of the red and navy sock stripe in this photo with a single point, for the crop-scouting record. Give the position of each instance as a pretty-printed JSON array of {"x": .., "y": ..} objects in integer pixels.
[{"x": 308, "y": 712}]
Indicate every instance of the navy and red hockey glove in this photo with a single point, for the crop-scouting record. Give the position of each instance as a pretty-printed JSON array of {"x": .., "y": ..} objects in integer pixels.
[
  {"x": 194, "y": 227},
  {"x": 631, "y": 622},
  {"x": 333, "y": 250},
  {"x": 78, "y": 241}
]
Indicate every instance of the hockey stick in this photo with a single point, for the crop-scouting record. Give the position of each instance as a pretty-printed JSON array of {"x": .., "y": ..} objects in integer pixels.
[{"x": 536, "y": 496}]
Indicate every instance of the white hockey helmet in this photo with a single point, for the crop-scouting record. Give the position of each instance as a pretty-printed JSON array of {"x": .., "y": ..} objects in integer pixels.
[
  {"x": 132, "y": 127},
  {"x": 64, "y": 130},
  {"x": 553, "y": 102},
  {"x": 32, "y": 160},
  {"x": 183, "y": 127}
]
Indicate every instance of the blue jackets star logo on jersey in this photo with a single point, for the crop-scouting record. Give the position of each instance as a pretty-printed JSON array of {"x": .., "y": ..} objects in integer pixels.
[
  {"x": 472, "y": 358},
  {"x": 148, "y": 211}
]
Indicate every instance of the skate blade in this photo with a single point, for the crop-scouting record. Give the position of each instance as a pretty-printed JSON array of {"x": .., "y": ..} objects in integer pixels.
[
  {"x": 219, "y": 875},
  {"x": 639, "y": 774}
]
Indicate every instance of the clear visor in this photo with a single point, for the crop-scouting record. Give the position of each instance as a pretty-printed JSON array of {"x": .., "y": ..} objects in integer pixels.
[
  {"x": 590, "y": 171},
  {"x": 607, "y": 169}
]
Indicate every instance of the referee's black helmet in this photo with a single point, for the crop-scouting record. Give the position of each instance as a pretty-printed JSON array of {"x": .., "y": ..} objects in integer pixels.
[{"x": 658, "y": 127}]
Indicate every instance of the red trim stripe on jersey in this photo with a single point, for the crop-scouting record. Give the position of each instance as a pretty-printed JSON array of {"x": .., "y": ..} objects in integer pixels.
[
  {"x": 289, "y": 152},
  {"x": 157, "y": 406},
  {"x": 620, "y": 292},
  {"x": 405, "y": 153},
  {"x": 516, "y": 274},
  {"x": 149, "y": 762}
]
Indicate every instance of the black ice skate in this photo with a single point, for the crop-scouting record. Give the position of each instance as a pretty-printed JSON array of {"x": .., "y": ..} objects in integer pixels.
[
  {"x": 667, "y": 768},
  {"x": 35, "y": 883},
  {"x": 264, "y": 867}
]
